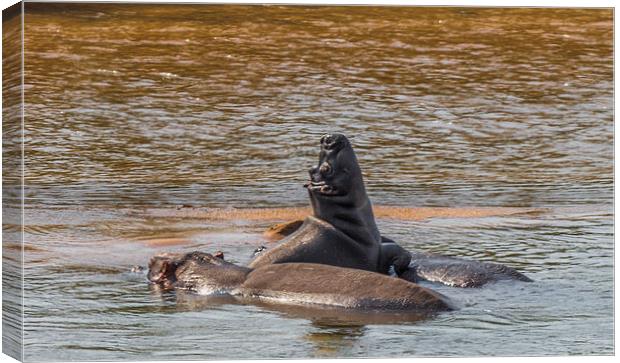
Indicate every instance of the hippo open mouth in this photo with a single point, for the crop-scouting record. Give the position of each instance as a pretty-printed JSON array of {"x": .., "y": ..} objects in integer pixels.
[
  {"x": 324, "y": 178},
  {"x": 322, "y": 187}
]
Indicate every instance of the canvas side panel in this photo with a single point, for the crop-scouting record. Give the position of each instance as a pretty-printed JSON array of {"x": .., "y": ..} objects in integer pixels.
[{"x": 12, "y": 171}]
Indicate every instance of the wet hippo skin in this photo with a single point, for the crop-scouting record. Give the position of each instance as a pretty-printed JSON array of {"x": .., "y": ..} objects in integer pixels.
[
  {"x": 447, "y": 270},
  {"x": 457, "y": 272},
  {"x": 342, "y": 230},
  {"x": 294, "y": 283}
]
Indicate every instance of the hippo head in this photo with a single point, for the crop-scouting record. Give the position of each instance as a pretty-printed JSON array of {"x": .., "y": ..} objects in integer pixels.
[
  {"x": 198, "y": 271},
  {"x": 164, "y": 267},
  {"x": 337, "y": 176},
  {"x": 337, "y": 191}
]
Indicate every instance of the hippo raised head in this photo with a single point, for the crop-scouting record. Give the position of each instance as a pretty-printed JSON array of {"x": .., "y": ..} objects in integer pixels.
[
  {"x": 337, "y": 192},
  {"x": 337, "y": 173},
  {"x": 342, "y": 230}
]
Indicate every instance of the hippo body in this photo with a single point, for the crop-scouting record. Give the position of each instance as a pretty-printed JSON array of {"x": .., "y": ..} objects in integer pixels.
[
  {"x": 342, "y": 229},
  {"x": 417, "y": 266},
  {"x": 317, "y": 241},
  {"x": 294, "y": 283},
  {"x": 342, "y": 287},
  {"x": 457, "y": 272}
]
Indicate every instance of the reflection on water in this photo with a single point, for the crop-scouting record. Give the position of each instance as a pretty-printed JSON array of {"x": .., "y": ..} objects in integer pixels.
[
  {"x": 133, "y": 110},
  {"x": 224, "y": 105},
  {"x": 333, "y": 341}
]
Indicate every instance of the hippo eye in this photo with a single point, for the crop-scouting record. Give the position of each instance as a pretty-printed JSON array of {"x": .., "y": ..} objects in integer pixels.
[{"x": 325, "y": 169}]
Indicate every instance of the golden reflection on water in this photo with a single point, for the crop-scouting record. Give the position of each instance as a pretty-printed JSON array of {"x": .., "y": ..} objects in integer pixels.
[{"x": 225, "y": 104}]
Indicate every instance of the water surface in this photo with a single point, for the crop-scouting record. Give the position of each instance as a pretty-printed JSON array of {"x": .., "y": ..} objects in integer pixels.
[{"x": 133, "y": 110}]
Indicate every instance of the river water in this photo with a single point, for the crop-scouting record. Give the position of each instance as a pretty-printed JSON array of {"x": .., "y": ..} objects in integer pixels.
[{"x": 134, "y": 110}]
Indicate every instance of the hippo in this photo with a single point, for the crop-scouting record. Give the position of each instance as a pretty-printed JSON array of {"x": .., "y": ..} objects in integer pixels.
[
  {"x": 294, "y": 284},
  {"x": 454, "y": 271},
  {"x": 341, "y": 230},
  {"x": 458, "y": 272},
  {"x": 434, "y": 267}
]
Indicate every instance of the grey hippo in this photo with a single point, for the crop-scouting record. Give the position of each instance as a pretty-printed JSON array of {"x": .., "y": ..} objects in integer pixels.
[
  {"x": 342, "y": 231},
  {"x": 293, "y": 284}
]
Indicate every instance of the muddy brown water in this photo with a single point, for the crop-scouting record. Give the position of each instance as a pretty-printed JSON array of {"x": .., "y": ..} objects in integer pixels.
[{"x": 462, "y": 113}]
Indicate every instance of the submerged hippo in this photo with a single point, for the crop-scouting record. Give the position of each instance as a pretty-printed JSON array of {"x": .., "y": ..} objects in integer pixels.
[
  {"x": 342, "y": 230},
  {"x": 458, "y": 272},
  {"x": 293, "y": 283}
]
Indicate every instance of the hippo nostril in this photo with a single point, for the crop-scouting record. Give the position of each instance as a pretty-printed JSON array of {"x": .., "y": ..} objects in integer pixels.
[
  {"x": 333, "y": 142},
  {"x": 326, "y": 139}
]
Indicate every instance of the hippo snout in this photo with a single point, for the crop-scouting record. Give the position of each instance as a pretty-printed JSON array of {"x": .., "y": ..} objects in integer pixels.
[{"x": 333, "y": 141}]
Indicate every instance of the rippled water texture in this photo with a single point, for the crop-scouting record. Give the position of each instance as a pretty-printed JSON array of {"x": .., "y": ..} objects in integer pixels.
[{"x": 133, "y": 110}]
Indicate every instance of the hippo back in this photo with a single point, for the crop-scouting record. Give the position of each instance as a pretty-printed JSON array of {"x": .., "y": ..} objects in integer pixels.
[
  {"x": 317, "y": 241},
  {"x": 307, "y": 283}
]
